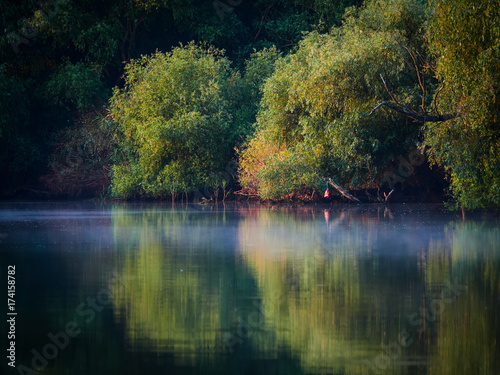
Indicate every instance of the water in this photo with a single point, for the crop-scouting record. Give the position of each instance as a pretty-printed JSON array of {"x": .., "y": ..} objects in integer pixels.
[{"x": 151, "y": 289}]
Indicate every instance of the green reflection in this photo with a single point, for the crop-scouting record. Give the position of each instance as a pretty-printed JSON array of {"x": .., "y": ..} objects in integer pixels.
[
  {"x": 170, "y": 275},
  {"x": 469, "y": 326},
  {"x": 333, "y": 293},
  {"x": 316, "y": 287},
  {"x": 63, "y": 264}
]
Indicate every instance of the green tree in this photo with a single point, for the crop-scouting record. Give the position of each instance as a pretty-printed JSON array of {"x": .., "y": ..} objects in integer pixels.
[
  {"x": 177, "y": 122},
  {"x": 465, "y": 37},
  {"x": 315, "y": 108},
  {"x": 75, "y": 86},
  {"x": 258, "y": 68},
  {"x": 65, "y": 55}
]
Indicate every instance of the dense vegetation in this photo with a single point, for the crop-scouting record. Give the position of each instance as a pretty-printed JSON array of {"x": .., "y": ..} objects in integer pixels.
[{"x": 136, "y": 98}]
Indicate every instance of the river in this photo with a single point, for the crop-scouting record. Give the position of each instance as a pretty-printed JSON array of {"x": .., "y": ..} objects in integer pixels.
[{"x": 145, "y": 288}]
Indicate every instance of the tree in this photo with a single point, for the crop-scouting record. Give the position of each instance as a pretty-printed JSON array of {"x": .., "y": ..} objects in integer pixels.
[
  {"x": 465, "y": 38},
  {"x": 75, "y": 86},
  {"x": 315, "y": 108},
  {"x": 65, "y": 56},
  {"x": 177, "y": 122}
]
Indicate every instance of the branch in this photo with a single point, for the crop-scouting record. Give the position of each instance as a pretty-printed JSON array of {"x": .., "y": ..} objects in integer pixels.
[
  {"x": 342, "y": 191},
  {"x": 435, "y": 97},
  {"x": 388, "y": 91},
  {"x": 420, "y": 81},
  {"x": 386, "y": 196},
  {"x": 409, "y": 112},
  {"x": 412, "y": 114},
  {"x": 371, "y": 198},
  {"x": 392, "y": 96},
  {"x": 240, "y": 192},
  {"x": 264, "y": 16}
]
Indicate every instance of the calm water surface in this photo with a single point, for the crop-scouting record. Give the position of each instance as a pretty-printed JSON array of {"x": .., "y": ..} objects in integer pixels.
[{"x": 151, "y": 289}]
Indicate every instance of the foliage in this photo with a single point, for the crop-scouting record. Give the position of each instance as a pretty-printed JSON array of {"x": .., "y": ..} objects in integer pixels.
[
  {"x": 75, "y": 85},
  {"x": 465, "y": 37},
  {"x": 289, "y": 172},
  {"x": 252, "y": 159},
  {"x": 310, "y": 69},
  {"x": 81, "y": 162},
  {"x": 176, "y": 122},
  {"x": 66, "y": 55},
  {"x": 258, "y": 68},
  {"x": 239, "y": 29},
  {"x": 319, "y": 97},
  {"x": 99, "y": 42}
]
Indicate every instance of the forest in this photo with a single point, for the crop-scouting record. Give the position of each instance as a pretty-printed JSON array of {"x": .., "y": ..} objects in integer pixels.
[{"x": 277, "y": 99}]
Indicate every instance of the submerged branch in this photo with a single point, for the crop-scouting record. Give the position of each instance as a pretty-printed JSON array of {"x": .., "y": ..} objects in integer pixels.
[
  {"x": 342, "y": 191},
  {"x": 386, "y": 196}
]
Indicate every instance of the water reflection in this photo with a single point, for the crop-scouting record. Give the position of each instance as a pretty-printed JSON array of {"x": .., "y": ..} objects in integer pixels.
[
  {"x": 248, "y": 289},
  {"x": 336, "y": 296},
  {"x": 467, "y": 333},
  {"x": 172, "y": 267}
]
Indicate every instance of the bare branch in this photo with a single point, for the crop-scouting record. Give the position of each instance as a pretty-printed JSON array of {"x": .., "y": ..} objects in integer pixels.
[
  {"x": 398, "y": 107},
  {"x": 388, "y": 91},
  {"x": 342, "y": 191},
  {"x": 392, "y": 96},
  {"x": 412, "y": 114},
  {"x": 386, "y": 196},
  {"x": 376, "y": 107},
  {"x": 435, "y": 97},
  {"x": 263, "y": 18},
  {"x": 420, "y": 82}
]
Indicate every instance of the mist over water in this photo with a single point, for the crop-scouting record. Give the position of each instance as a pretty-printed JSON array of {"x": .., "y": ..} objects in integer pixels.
[{"x": 251, "y": 289}]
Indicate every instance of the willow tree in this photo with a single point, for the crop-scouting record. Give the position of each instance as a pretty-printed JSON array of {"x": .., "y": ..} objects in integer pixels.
[
  {"x": 316, "y": 117},
  {"x": 465, "y": 37},
  {"x": 177, "y": 122}
]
